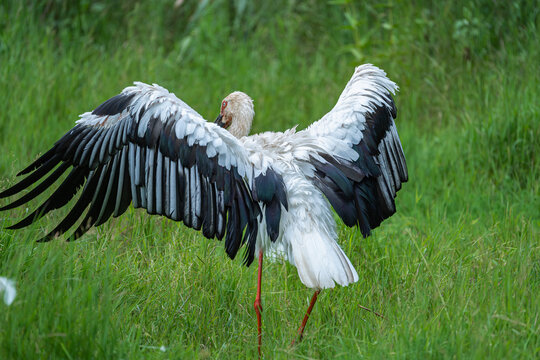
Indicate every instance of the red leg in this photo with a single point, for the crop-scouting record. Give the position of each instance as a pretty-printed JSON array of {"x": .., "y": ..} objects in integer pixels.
[
  {"x": 306, "y": 317},
  {"x": 257, "y": 303}
]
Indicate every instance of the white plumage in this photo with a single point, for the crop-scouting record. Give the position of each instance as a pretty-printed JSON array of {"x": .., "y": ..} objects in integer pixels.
[
  {"x": 307, "y": 237},
  {"x": 272, "y": 192}
]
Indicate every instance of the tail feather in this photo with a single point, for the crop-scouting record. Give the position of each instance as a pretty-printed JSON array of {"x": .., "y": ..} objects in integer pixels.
[{"x": 320, "y": 262}]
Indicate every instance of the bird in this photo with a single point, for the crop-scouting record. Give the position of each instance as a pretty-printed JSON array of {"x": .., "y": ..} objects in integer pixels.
[{"x": 271, "y": 193}]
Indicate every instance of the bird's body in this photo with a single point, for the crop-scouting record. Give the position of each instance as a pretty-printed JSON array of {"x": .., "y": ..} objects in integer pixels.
[
  {"x": 272, "y": 192},
  {"x": 307, "y": 237}
]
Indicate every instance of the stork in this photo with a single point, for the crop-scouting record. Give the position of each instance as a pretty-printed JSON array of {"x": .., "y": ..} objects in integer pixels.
[{"x": 272, "y": 193}]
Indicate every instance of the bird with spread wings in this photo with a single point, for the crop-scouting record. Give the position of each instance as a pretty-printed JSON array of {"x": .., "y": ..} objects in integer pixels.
[{"x": 271, "y": 193}]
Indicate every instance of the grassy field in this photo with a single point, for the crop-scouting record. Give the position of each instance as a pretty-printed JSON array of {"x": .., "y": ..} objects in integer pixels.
[{"x": 455, "y": 272}]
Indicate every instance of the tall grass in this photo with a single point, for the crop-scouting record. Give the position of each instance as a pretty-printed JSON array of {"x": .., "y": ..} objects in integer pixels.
[{"x": 455, "y": 272}]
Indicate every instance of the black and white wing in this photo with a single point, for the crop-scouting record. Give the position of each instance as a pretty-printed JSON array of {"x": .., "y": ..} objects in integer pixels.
[
  {"x": 361, "y": 184},
  {"x": 147, "y": 147}
]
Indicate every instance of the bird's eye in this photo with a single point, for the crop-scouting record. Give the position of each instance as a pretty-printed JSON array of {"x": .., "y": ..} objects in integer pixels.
[{"x": 223, "y": 105}]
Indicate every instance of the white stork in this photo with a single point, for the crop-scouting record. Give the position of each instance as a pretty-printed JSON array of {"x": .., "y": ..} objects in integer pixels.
[{"x": 271, "y": 192}]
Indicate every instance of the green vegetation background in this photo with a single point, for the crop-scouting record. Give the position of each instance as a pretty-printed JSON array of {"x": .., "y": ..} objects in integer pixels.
[{"x": 456, "y": 272}]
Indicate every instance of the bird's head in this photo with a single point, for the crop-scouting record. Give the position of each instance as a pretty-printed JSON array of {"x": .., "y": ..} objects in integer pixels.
[{"x": 236, "y": 114}]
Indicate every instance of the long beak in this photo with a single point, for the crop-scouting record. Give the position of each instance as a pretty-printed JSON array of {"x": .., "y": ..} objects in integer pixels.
[
  {"x": 223, "y": 122},
  {"x": 218, "y": 120}
]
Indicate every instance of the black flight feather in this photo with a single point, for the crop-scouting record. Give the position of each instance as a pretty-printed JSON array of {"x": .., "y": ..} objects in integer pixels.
[
  {"x": 77, "y": 210},
  {"x": 31, "y": 179},
  {"x": 114, "y": 105}
]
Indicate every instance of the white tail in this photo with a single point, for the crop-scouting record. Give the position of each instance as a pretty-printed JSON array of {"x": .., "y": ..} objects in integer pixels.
[{"x": 320, "y": 261}]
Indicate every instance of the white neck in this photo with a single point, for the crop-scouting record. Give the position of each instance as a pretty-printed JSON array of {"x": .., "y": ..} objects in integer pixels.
[
  {"x": 241, "y": 123},
  {"x": 240, "y": 112}
]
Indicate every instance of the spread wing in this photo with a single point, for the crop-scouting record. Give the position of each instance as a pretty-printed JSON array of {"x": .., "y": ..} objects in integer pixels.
[
  {"x": 147, "y": 147},
  {"x": 361, "y": 184}
]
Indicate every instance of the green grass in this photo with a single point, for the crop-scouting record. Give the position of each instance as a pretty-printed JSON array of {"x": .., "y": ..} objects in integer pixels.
[{"x": 455, "y": 272}]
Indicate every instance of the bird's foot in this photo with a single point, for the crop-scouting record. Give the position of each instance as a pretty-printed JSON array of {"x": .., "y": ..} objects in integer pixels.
[
  {"x": 300, "y": 332},
  {"x": 258, "y": 310}
]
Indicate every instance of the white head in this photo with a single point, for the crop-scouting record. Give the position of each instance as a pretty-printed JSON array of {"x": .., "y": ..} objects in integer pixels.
[{"x": 236, "y": 114}]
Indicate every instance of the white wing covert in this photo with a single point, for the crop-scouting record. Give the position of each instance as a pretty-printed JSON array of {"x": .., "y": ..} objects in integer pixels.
[
  {"x": 148, "y": 147},
  {"x": 361, "y": 185}
]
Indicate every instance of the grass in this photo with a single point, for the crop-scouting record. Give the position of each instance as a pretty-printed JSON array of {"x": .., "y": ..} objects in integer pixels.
[{"x": 455, "y": 272}]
